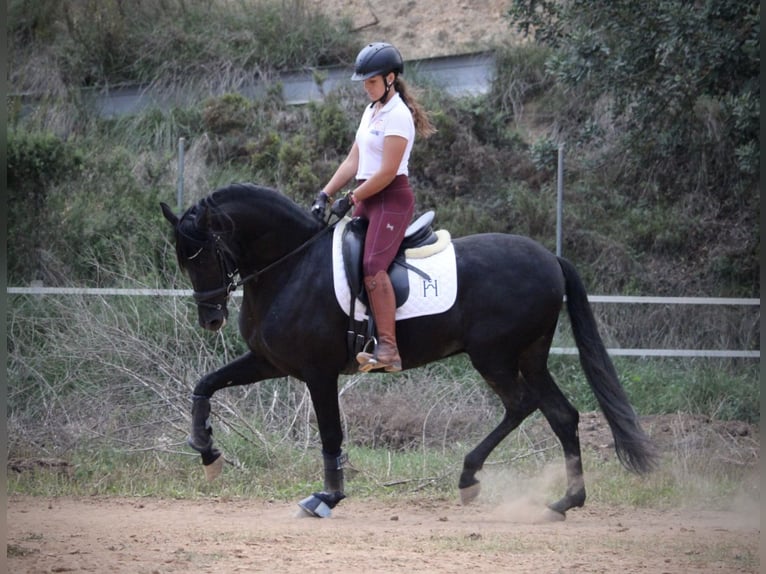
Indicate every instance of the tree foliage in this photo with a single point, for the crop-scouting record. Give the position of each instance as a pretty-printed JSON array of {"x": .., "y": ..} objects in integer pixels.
[{"x": 682, "y": 79}]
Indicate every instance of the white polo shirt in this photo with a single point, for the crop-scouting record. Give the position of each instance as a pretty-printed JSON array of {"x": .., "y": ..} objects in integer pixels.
[{"x": 394, "y": 119}]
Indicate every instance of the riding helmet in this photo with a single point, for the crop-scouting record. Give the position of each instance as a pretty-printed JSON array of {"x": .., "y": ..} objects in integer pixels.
[{"x": 377, "y": 59}]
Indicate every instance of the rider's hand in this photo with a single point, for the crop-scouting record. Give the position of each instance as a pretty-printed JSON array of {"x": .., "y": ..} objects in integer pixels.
[
  {"x": 320, "y": 206},
  {"x": 341, "y": 206}
]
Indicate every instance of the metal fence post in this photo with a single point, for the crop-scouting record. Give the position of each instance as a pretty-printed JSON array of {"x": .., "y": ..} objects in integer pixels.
[
  {"x": 180, "y": 191},
  {"x": 559, "y": 199}
]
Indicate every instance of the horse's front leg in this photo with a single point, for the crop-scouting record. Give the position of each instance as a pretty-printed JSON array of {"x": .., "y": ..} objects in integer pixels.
[
  {"x": 249, "y": 368},
  {"x": 201, "y": 437},
  {"x": 324, "y": 396}
]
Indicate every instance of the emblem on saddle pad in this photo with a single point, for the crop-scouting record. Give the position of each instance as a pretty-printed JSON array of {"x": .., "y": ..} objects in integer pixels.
[{"x": 424, "y": 274}]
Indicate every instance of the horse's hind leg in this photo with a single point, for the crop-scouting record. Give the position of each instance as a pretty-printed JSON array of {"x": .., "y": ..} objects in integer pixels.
[
  {"x": 563, "y": 419},
  {"x": 519, "y": 404}
]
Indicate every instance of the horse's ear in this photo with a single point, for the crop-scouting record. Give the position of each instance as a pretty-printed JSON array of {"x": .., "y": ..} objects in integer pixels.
[{"x": 168, "y": 213}]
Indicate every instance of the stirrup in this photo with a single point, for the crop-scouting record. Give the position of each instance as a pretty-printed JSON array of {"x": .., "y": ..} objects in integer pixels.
[
  {"x": 366, "y": 359},
  {"x": 369, "y": 361}
]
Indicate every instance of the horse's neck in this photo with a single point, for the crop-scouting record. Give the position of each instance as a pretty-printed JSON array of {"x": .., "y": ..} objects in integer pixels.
[{"x": 265, "y": 236}]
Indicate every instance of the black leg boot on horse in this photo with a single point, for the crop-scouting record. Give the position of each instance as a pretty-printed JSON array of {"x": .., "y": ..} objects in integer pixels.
[
  {"x": 201, "y": 437},
  {"x": 380, "y": 292}
]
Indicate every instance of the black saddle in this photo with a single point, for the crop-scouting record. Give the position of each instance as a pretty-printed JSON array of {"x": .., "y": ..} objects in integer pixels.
[{"x": 419, "y": 233}]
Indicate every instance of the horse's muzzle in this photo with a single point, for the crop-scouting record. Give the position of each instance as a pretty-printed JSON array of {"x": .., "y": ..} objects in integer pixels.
[{"x": 212, "y": 319}]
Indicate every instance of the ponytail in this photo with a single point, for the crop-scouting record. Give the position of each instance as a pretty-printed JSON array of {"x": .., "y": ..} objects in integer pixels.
[{"x": 423, "y": 125}]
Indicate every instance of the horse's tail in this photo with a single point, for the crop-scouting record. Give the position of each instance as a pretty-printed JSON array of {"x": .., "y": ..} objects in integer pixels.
[{"x": 634, "y": 449}]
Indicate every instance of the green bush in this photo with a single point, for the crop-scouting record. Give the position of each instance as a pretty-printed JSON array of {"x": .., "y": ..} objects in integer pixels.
[
  {"x": 109, "y": 223},
  {"x": 77, "y": 216},
  {"x": 331, "y": 123},
  {"x": 38, "y": 163}
]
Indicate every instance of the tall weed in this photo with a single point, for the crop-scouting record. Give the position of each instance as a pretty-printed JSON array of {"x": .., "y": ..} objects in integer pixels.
[{"x": 189, "y": 44}]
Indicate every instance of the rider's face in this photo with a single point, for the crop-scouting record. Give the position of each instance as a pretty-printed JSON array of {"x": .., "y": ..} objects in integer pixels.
[{"x": 376, "y": 86}]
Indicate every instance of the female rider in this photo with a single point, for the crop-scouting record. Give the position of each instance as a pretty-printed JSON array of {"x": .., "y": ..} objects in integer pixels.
[{"x": 378, "y": 161}]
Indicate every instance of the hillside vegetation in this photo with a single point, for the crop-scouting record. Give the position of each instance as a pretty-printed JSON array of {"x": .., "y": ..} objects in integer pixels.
[{"x": 660, "y": 135}]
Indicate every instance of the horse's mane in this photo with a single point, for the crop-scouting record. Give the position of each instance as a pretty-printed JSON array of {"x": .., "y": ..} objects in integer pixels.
[
  {"x": 221, "y": 209},
  {"x": 242, "y": 192},
  {"x": 241, "y": 197}
]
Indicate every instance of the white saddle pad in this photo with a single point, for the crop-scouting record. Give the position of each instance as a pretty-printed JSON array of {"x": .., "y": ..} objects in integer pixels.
[{"x": 426, "y": 297}]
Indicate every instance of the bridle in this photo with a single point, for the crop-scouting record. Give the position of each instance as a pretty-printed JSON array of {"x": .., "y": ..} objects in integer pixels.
[{"x": 229, "y": 268}]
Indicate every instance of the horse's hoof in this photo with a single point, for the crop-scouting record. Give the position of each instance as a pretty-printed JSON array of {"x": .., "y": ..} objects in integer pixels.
[
  {"x": 315, "y": 506},
  {"x": 550, "y": 515},
  {"x": 470, "y": 493},
  {"x": 214, "y": 469}
]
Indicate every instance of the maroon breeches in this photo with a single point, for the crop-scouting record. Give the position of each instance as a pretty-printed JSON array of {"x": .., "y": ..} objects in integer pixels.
[{"x": 389, "y": 213}]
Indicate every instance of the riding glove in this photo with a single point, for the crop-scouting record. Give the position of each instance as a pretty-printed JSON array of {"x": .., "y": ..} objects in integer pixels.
[
  {"x": 320, "y": 206},
  {"x": 341, "y": 206}
]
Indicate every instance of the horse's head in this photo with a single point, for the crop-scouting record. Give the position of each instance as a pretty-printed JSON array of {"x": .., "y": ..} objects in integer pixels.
[
  {"x": 205, "y": 257},
  {"x": 241, "y": 225}
]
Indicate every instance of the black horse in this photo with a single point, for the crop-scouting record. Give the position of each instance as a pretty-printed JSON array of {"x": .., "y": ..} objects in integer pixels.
[{"x": 510, "y": 293}]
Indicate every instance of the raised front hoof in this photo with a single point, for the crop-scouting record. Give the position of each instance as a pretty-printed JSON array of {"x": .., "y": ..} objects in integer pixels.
[
  {"x": 320, "y": 504},
  {"x": 470, "y": 493},
  {"x": 213, "y": 469}
]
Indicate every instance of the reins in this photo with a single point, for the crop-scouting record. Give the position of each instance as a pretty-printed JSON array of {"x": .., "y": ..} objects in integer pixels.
[
  {"x": 224, "y": 258},
  {"x": 256, "y": 274}
]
